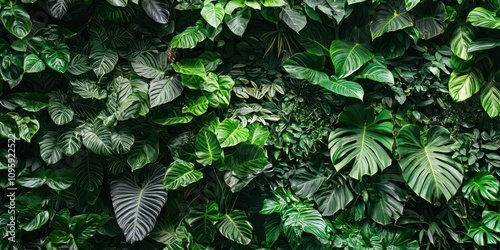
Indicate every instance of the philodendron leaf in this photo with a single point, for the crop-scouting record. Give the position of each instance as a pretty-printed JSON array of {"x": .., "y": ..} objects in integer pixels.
[
  {"x": 157, "y": 10},
  {"x": 36, "y": 223},
  {"x": 30, "y": 101},
  {"x": 138, "y": 198},
  {"x": 295, "y": 19},
  {"x": 180, "y": 174},
  {"x": 164, "y": 90},
  {"x": 27, "y": 126},
  {"x": 305, "y": 219},
  {"x": 79, "y": 64},
  {"x": 306, "y": 66},
  {"x": 60, "y": 113},
  {"x": 88, "y": 89},
  {"x": 213, "y": 14},
  {"x": 490, "y": 99},
  {"x": 97, "y": 138},
  {"x": 376, "y": 72},
  {"x": 481, "y": 188},
  {"x": 230, "y": 132},
  {"x": 460, "y": 41},
  {"x": 33, "y": 64},
  {"x": 187, "y": 39},
  {"x": 202, "y": 219},
  {"x": 88, "y": 171},
  {"x": 102, "y": 60},
  {"x": 196, "y": 106},
  {"x": 348, "y": 57},
  {"x": 236, "y": 227},
  {"x": 70, "y": 142},
  {"x": 16, "y": 20},
  {"x": 427, "y": 163},
  {"x": 150, "y": 65},
  {"x": 50, "y": 151},
  {"x": 207, "y": 147},
  {"x": 390, "y": 16},
  {"x": 143, "y": 152},
  {"x": 362, "y": 138},
  {"x": 343, "y": 87},
  {"x": 58, "y": 8},
  {"x": 464, "y": 85},
  {"x": 258, "y": 134},
  {"x": 237, "y": 22},
  {"x": 482, "y": 17}
]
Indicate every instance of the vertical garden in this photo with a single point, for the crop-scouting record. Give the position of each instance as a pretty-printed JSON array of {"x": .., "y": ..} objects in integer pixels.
[{"x": 250, "y": 124}]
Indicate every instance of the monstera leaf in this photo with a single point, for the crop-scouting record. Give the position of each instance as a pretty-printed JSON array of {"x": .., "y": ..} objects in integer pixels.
[
  {"x": 236, "y": 227},
  {"x": 389, "y": 17},
  {"x": 138, "y": 199},
  {"x": 348, "y": 57},
  {"x": 481, "y": 234},
  {"x": 362, "y": 139},
  {"x": 427, "y": 163},
  {"x": 481, "y": 188}
]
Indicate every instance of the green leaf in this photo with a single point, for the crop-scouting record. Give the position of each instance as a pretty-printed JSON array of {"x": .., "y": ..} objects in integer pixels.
[
  {"x": 410, "y": 4},
  {"x": 258, "y": 134},
  {"x": 27, "y": 126},
  {"x": 60, "y": 113},
  {"x": 16, "y": 20},
  {"x": 202, "y": 219},
  {"x": 237, "y": 22},
  {"x": 348, "y": 57},
  {"x": 58, "y": 180},
  {"x": 157, "y": 10},
  {"x": 118, "y": 3},
  {"x": 490, "y": 99},
  {"x": 273, "y": 3},
  {"x": 491, "y": 220},
  {"x": 386, "y": 201},
  {"x": 295, "y": 19},
  {"x": 33, "y": 64},
  {"x": 482, "y": 17},
  {"x": 88, "y": 171},
  {"x": 306, "y": 219},
  {"x": 461, "y": 40},
  {"x": 376, "y": 72},
  {"x": 57, "y": 58},
  {"x": 30, "y": 101},
  {"x": 429, "y": 18},
  {"x": 222, "y": 96},
  {"x": 58, "y": 8},
  {"x": 197, "y": 107},
  {"x": 122, "y": 140},
  {"x": 464, "y": 85},
  {"x": 236, "y": 227},
  {"x": 50, "y": 151},
  {"x": 173, "y": 120},
  {"x": 481, "y": 234},
  {"x": 8, "y": 126},
  {"x": 79, "y": 64},
  {"x": 306, "y": 66},
  {"x": 88, "y": 89},
  {"x": 69, "y": 142},
  {"x": 230, "y": 132},
  {"x": 315, "y": 38},
  {"x": 164, "y": 90},
  {"x": 364, "y": 139},
  {"x": 482, "y": 44},
  {"x": 427, "y": 163},
  {"x": 213, "y": 14},
  {"x": 36, "y": 223},
  {"x": 150, "y": 65},
  {"x": 181, "y": 173},
  {"x": 137, "y": 200},
  {"x": 97, "y": 138},
  {"x": 481, "y": 188},
  {"x": 30, "y": 179},
  {"x": 247, "y": 159},
  {"x": 207, "y": 147},
  {"x": 390, "y": 16},
  {"x": 187, "y": 39},
  {"x": 343, "y": 87},
  {"x": 102, "y": 60},
  {"x": 143, "y": 152},
  {"x": 334, "y": 197},
  {"x": 305, "y": 183}
]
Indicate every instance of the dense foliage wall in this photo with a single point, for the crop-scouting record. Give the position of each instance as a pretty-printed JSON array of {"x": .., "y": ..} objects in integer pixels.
[{"x": 250, "y": 124}]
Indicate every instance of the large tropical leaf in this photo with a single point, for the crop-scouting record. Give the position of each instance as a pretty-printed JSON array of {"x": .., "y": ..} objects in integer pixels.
[
  {"x": 207, "y": 147},
  {"x": 88, "y": 89},
  {"x": 427, "y": 163},
  {"x": 294, "y": 18},
  {"x": 481, "y": 234},
  {"x": 305, "y": 183},
  {"x": 334, "y": 196},
  {"x": 88, "y": 171},
  {"x": 202, "y": 219},
  {"x": 16, "y": 20},
  {"x": 390, "y": 16},
  {"x": 385, "y": 200},
  {"x": 143, "y": 152},
  {"x": 57, "y": 58},
  {"x": 187, "y": 39},
  {"x": 102, "y": 60},
  {"x": 70, "y": 142},
  {"x": 33, "y": 64},
  {"x": 236, "y": 227},
  {"x": 306, "y": 66},
  {"x": 181, "y": 173},
  {"x": 230, "y": 132},
  {"x": 490, "y": 99},
  {"x": 348, "y": 57},
  {"x": 79, "y": 64},
  {"x": 50, "y": 151},
  {"x": 197, "y": 106},
  {"x": 158, "y": 10},
  {"x": 237, "y": 22},
  {"x": 30, "y": 101},
  {"x": 482, "y": 17},
  {"x": 58, "y": 8},
  {"x": 213, "y": 14},
  {"x": 97, "y": 138},
  {"x": 376, "y": 72},
  {"x": 27, "y": 126},
  {"x": 461, "y": 40},
  {"x": 362, "y": 139},
  {"x": 429, "y": 19},
  {"x": 150, "y": 65},
  {"x": 464, "y": 85},
  {"x": 138, "y": 199},
  {"x": 246, "y": 160},
  {"x": 305, "y": 219},
  {"x": 315, "y": 38},
  {"x": 60, "y": 113},
  {"x": 343, "y": 87},
  {"x": 258, "y": 134},
  {"x": 164, "y": 90},
  {"x": 491, "y": 220},
  {"x": 481, "y": 188}
]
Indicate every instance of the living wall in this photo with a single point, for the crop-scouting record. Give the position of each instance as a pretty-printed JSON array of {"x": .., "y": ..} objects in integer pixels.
[{"x": 250, "y": 124}]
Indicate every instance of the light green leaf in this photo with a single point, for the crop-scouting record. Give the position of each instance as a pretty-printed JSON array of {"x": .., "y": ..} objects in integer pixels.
[
  {"x": 33, "y": 64},
  {"x": 88, "y": 89},
  {"x": 196, "y": 106},
  {"x": 187, "y": 39},
  {"x": 482, "y": 17},
  {"x": 482, "y": 44},
  {"x": 273, "y": 3},
  {"x": 490, "y": 99},
  {"x": 97, "y": 138},
  {"x": 181, "y": 174},
  {"x": 362, "y": 138},
  {"x": 376, "y": 72},
  {"x": 16, "y": 20},
  {"x": 343, "y": 87},
  {"x": 57, "y": 58},
  {"x": 410, "y": 4},
  {"x": 461, "y": 40},
  {"x": 464, "y": 85},
  {"x": 427, "y": 163},
  {"x": 348, "y": 57},
  {"x": 294, "y": 18},
  {"x": 50, "y": 151},
  {"x": 143, "y": 152},
  {"x": 69, "y": 142},
  {"x": 481, "y": 234},
  {"x": 258, "y": 134},
  {"x": 390, "y": 16},
  {"x": 230, "y": 132},
  {"x": 207, "y": 147},
  {"x": 238, "y": 22},
  {"x": 164, "y": 90},
  {"x": 236, "y": 227},
  {"x": 306, "y": 219},
  {"x": 306, "y": 66},
  {"x": 213, "y": 14},
  {"x": 137, "y": 199},
  {"x": 27, "y": 126},
  {"x": 481, "y": 188}
]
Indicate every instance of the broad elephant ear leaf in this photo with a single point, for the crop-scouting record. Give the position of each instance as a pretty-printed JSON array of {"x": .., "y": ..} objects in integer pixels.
[
  {"x": 236, "y": 227},
  {"x": 138, "y": 199},
  {"x": 363, "y": 139},
  {"x": 427, "y": 163}
]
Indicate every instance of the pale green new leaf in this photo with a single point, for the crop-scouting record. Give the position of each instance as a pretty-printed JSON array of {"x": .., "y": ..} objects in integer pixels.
[
  {"x": 482, "y": 17},
  {"x": 213, "y": 14},
  {"x": 427, "y": 163},
  {"x": 490, "y": 99},
  {"x": 181, "y": 174},
  {"x": 363, "y": 139},
  {"x": 258, "y": 134},
  {"x": 236, "y": 227},
  {"x": 273, "y": 3},
  {"x": 461, "y": 40},
  {"x": 196, "y": 106},
  {"x": 137, "y": 200},
  {"x": 464, "y": 85},
  {"x": 231, "y": 132},
  {"x": 348, "y": 57},
  {"x": 207, "y": 147}
]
